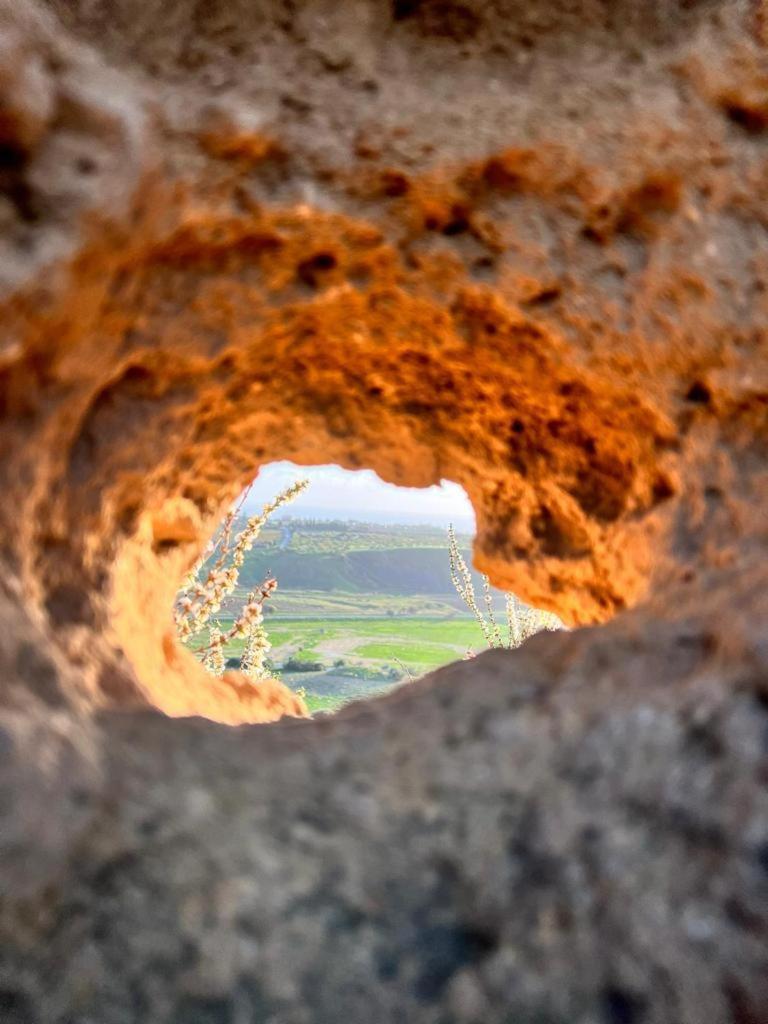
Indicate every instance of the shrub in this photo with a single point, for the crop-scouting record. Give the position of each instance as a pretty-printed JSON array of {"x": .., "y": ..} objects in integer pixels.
[{"x": 298, "y": 664}]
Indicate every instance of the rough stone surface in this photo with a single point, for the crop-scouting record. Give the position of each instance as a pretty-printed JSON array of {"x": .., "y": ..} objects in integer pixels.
[
  {"x": 520, "y": 245},
  {"x": 576, "y": 833}
]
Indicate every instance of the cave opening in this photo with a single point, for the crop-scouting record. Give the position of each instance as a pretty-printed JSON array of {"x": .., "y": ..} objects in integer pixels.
[{"x": 342, "y": 587}]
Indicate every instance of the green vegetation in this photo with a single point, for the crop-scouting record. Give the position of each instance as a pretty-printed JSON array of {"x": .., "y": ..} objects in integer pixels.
[
  {"x": 352, "y": 558},
  {"x": 417, "y": 642},
  {"x": 418, "y": 655},
  {"x": 303, "y": 661},
  {"x": 334, "y": 661},
  {"x": 299, "y": 603},
  {"x": 336, "y": 537},
  {"x": 403, "y": 570},
  {"x": 327, "y": 705},
  {"x": 359, "y": 608}
]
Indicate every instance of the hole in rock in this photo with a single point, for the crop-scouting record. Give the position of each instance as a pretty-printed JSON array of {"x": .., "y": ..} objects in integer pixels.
[{"x": 342, "y": 586}]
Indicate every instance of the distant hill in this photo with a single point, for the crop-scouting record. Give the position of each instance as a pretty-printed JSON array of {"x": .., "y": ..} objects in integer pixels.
[
  {"x": 385, "y": 517},
  {"x": 351, "y": 557},
  {"x": 399, "y": 570}
]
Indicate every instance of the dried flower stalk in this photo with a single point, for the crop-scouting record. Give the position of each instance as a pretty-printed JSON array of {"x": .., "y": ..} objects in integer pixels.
[
  {"x": 199, "y": 600},
  {"x": 522, "y": 620}
]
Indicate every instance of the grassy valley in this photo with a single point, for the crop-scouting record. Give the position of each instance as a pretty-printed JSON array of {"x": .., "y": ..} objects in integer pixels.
[{"x": 360, "y": 607}]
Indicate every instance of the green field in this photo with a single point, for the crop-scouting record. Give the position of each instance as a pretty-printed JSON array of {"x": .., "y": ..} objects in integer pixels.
[
  {"x": 418, "y": 643},
  {"x": 359, "y": 607},
  {"x": 417, "y": 654},
  {"x": 326, "y": 705},
  {"x": 359, "y": 657}
]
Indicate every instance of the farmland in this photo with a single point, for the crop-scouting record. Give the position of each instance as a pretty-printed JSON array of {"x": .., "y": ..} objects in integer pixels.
[
  {"x": 360, "y": 607},
  {"x": 336, "y": 660}
]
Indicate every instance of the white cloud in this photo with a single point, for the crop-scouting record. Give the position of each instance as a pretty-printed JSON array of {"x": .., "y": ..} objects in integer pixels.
[{"x": 361, "y": 494}]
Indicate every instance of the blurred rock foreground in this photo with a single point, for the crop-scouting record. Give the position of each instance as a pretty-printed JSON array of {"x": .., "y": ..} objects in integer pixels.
[{"x": 518, "y": 245}]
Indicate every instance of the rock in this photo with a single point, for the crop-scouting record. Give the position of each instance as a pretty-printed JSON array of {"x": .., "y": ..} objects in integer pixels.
[{"x": 520, "y": 246}]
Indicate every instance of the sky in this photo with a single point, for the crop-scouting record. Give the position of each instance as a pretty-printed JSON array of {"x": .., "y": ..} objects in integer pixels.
[{"x": 336, "y": 493}]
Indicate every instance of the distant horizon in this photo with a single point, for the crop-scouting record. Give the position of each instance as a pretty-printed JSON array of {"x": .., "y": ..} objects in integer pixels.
[
  {"x": 362, "y": 496},
  {"x": 368, "y": 518}
]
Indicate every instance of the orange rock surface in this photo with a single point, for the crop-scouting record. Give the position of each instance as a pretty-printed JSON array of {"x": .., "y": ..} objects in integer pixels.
[{"x": 521, "y": 246}]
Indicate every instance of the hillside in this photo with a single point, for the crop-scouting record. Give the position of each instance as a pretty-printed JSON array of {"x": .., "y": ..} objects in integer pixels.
[
  {"x": 393, "y": 571},
  {"x": 359, "y": 608},
  {"x": 353, "y": 558}
]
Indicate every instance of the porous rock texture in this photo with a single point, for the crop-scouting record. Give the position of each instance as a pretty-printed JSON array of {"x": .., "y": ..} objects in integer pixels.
[{"x": 519, "y": 245}]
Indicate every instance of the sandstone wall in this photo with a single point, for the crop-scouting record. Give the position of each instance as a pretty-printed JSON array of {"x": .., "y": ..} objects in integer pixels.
[{"x": 517, "y": 245}]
